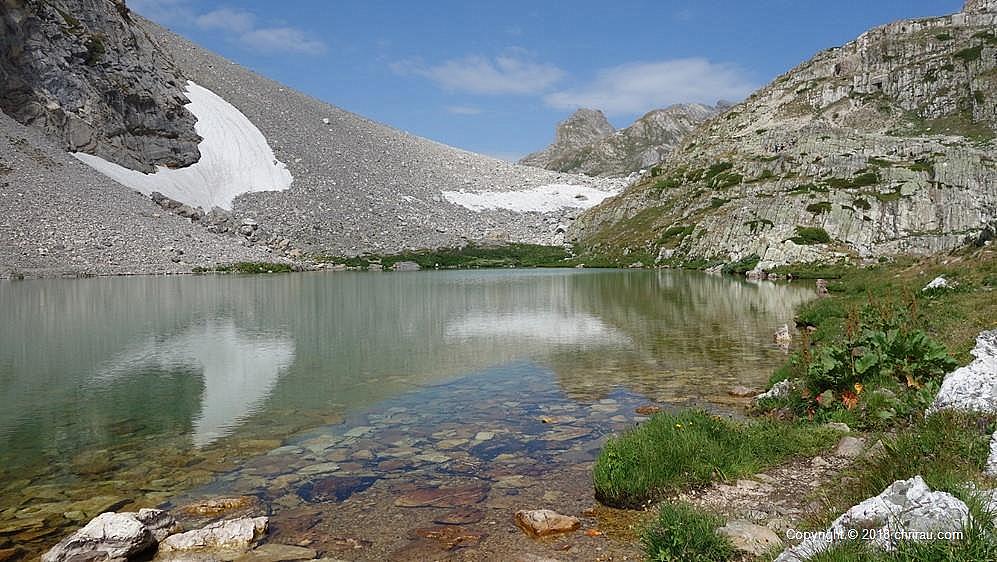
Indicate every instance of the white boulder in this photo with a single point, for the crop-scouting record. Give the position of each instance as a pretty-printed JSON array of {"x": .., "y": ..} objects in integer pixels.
[
  {"x": 906, "y": 510},
  {"x": 973, "y": 387},
  {"x": 115, "y": 535},
  {"x": 937, "y": 283},
  {"x": 230, "y": 534}
]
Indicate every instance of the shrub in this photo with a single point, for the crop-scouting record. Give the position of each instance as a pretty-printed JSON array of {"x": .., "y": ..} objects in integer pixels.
[
  {"x": 683, "y": 533},
  {"x": 808, "y": 236},
  {"x": 743, "y": 265}
]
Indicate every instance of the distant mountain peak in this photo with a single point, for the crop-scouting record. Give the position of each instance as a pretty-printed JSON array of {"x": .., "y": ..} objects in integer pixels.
[{"x": 587, "y": 143}]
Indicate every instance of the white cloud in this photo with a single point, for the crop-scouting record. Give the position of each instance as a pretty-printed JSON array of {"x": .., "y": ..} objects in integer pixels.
[
  {"x": 511, "y": 73},
  {"x": 282, "y": 39},
  {"x": 463, "y": 110},
  {"x": 227, "y": 19},
  {"x": 240, "y": 26},
  {"x": 638, "y": 87}
]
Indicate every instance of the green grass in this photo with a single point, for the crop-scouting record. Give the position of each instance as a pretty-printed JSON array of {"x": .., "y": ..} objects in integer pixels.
[
  {"x": 946, "y": 449},
  {"x": 468, "y": 257},
  {"x": 810, "y": 235},
  {"x": 743, "y": 265},
  {"x": 248, "y": 268},
  {"x": 682, "y": 533},
  {"x": 672, "y": 452},
  {"x": 819, "y": 208}
]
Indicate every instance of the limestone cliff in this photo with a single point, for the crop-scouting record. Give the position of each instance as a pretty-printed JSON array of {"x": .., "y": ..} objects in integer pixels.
[
  {"x": 586, "y": 143},
  {"x": 882, "y": 146},
  {"x": 85, "y": 73}
]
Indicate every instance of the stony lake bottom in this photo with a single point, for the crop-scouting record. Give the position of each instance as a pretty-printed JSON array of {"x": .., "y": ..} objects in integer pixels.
[{"x": 363, "y": 412}]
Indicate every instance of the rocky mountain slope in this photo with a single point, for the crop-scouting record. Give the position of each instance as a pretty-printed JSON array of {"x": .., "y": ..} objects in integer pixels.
[
  {"x": 586, "y": 143},
  {"x": 101, "y": 81},
  {"x": 882, "y": 146},
  {"x": 82, "y": 71},
  {"x": 59, "y": 217}
]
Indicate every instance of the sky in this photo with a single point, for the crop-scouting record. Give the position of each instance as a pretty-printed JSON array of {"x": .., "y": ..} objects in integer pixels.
[{"x": 496, "y": 77}]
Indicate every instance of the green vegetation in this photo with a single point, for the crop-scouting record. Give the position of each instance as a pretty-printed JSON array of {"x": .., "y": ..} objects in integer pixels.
[
  {"x": 717, "y": 202},
  {"x": 671, "y": 452},
  {"x": 808, "y": 188},
  {"x": 468, "y": 257},
  {"x": 247, "y": 267},
  {"x": 95, "y": 49},
  {"x": 743, "y": 265},
  {"x": 862, "y": 204},
  {"x": 819, "y": 208},
  {"x": 758, "y": 225},
  {"x": 682, "y": 533},
  {"x": 922, "y": 165},
  {"x": 945, "y": 36},
  {"x": 811, "y": 235},
  {"x": 860, "y": 180},
  {"x": 969, "y": 54}
]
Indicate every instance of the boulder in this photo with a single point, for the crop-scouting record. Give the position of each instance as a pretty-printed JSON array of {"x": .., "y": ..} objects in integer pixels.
[
  {"x": 778, "y": 390},
  {"x": 545, "y": 522},
  {"x": 750, "y": 538},
  {"x": 937, "y": 283},
  {"x": 850, "y": 447},
  {"x": 406, "y": 266},
  {"x": 973, "y": 387},
  {"x": 230, "y": 534},
  {"x": 782, "y": 336},
  {"x": 114, "y": 535},
  {"x": 906, "y": 506}
]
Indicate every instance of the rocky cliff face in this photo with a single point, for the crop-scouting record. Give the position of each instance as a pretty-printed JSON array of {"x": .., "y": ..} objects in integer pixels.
[
  {"x": 586, "y": 143},
  {"x": 882, "y": 146},
  {"x": 85, "y": 73}
]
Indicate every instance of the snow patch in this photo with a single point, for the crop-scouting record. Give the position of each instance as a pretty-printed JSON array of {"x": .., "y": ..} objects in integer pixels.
[
  {"x": 235, "y": 159},
  {"x": 542, "y": 199}
]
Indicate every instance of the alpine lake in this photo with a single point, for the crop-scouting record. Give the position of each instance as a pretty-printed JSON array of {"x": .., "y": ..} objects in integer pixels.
[{"x": 372, "y": 416}]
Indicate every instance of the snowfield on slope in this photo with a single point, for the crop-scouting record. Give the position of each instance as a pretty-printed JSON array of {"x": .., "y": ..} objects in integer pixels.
[
  {"x": 235, "y": 159},
  {"x": 542, "y": 199}
]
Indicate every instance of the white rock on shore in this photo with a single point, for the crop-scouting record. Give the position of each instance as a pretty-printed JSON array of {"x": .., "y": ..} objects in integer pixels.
[
  {"x": 239, "y": 533},
  {"x": 907, "y": 506},
  {"x": 115, "y": 535}
]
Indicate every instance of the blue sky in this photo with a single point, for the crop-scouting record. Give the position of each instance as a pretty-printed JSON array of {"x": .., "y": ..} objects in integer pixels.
[{"x": 495, "y": 77}]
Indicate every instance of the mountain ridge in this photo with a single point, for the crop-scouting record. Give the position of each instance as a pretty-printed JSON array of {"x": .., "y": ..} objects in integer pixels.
[
  {"x": 587, "y": 143},
  {"x": 882, "y": 146}
]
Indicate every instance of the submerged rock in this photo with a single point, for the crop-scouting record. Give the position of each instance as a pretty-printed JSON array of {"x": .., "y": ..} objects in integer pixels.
[
  {"x": 113, "y": 535},
  {"x": 230, "y": 534},
  {"x": 459, "y": 496},
  {"x": 544, "y": 522},
  {"x": 904, "y": 510}
]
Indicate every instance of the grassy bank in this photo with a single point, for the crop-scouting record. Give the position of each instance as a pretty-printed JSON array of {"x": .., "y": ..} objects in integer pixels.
[
  {"x": 872, "y": 355},
  {"x": 247, "y": 268},
  {"x": 672, "y": 452},
  {"x": 467, "y": 257}
]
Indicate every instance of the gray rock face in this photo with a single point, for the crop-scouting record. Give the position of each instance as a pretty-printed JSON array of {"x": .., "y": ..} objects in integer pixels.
[
  {"x": 586, "y": 143},
  {"x": 82, "y": 71},
  {"x": 906, "y": 506},
  {"x": 113, "y": 535},
  {"x": 973, "y": 387},
  {"x": 880, "y": 147}
]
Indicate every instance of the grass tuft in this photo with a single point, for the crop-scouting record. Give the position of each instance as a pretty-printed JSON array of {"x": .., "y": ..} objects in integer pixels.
[
  {"x": 684, "y": 533},
  {"x": 671, "y": 452}
]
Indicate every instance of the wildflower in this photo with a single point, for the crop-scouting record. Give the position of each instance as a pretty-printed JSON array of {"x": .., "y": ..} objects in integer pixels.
[{"x": 858, "y": 388}]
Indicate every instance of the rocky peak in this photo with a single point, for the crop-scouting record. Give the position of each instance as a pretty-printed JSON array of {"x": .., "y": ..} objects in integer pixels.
[
  {"x": 583, "y": 127},
  {"x": 586, "y": 142},
  {"x": 978, "y": 6},
  {"x": 85, "y": 73}
]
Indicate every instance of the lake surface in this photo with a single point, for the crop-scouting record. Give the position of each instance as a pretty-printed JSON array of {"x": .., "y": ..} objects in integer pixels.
[{"x": 320, "y": 392}]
